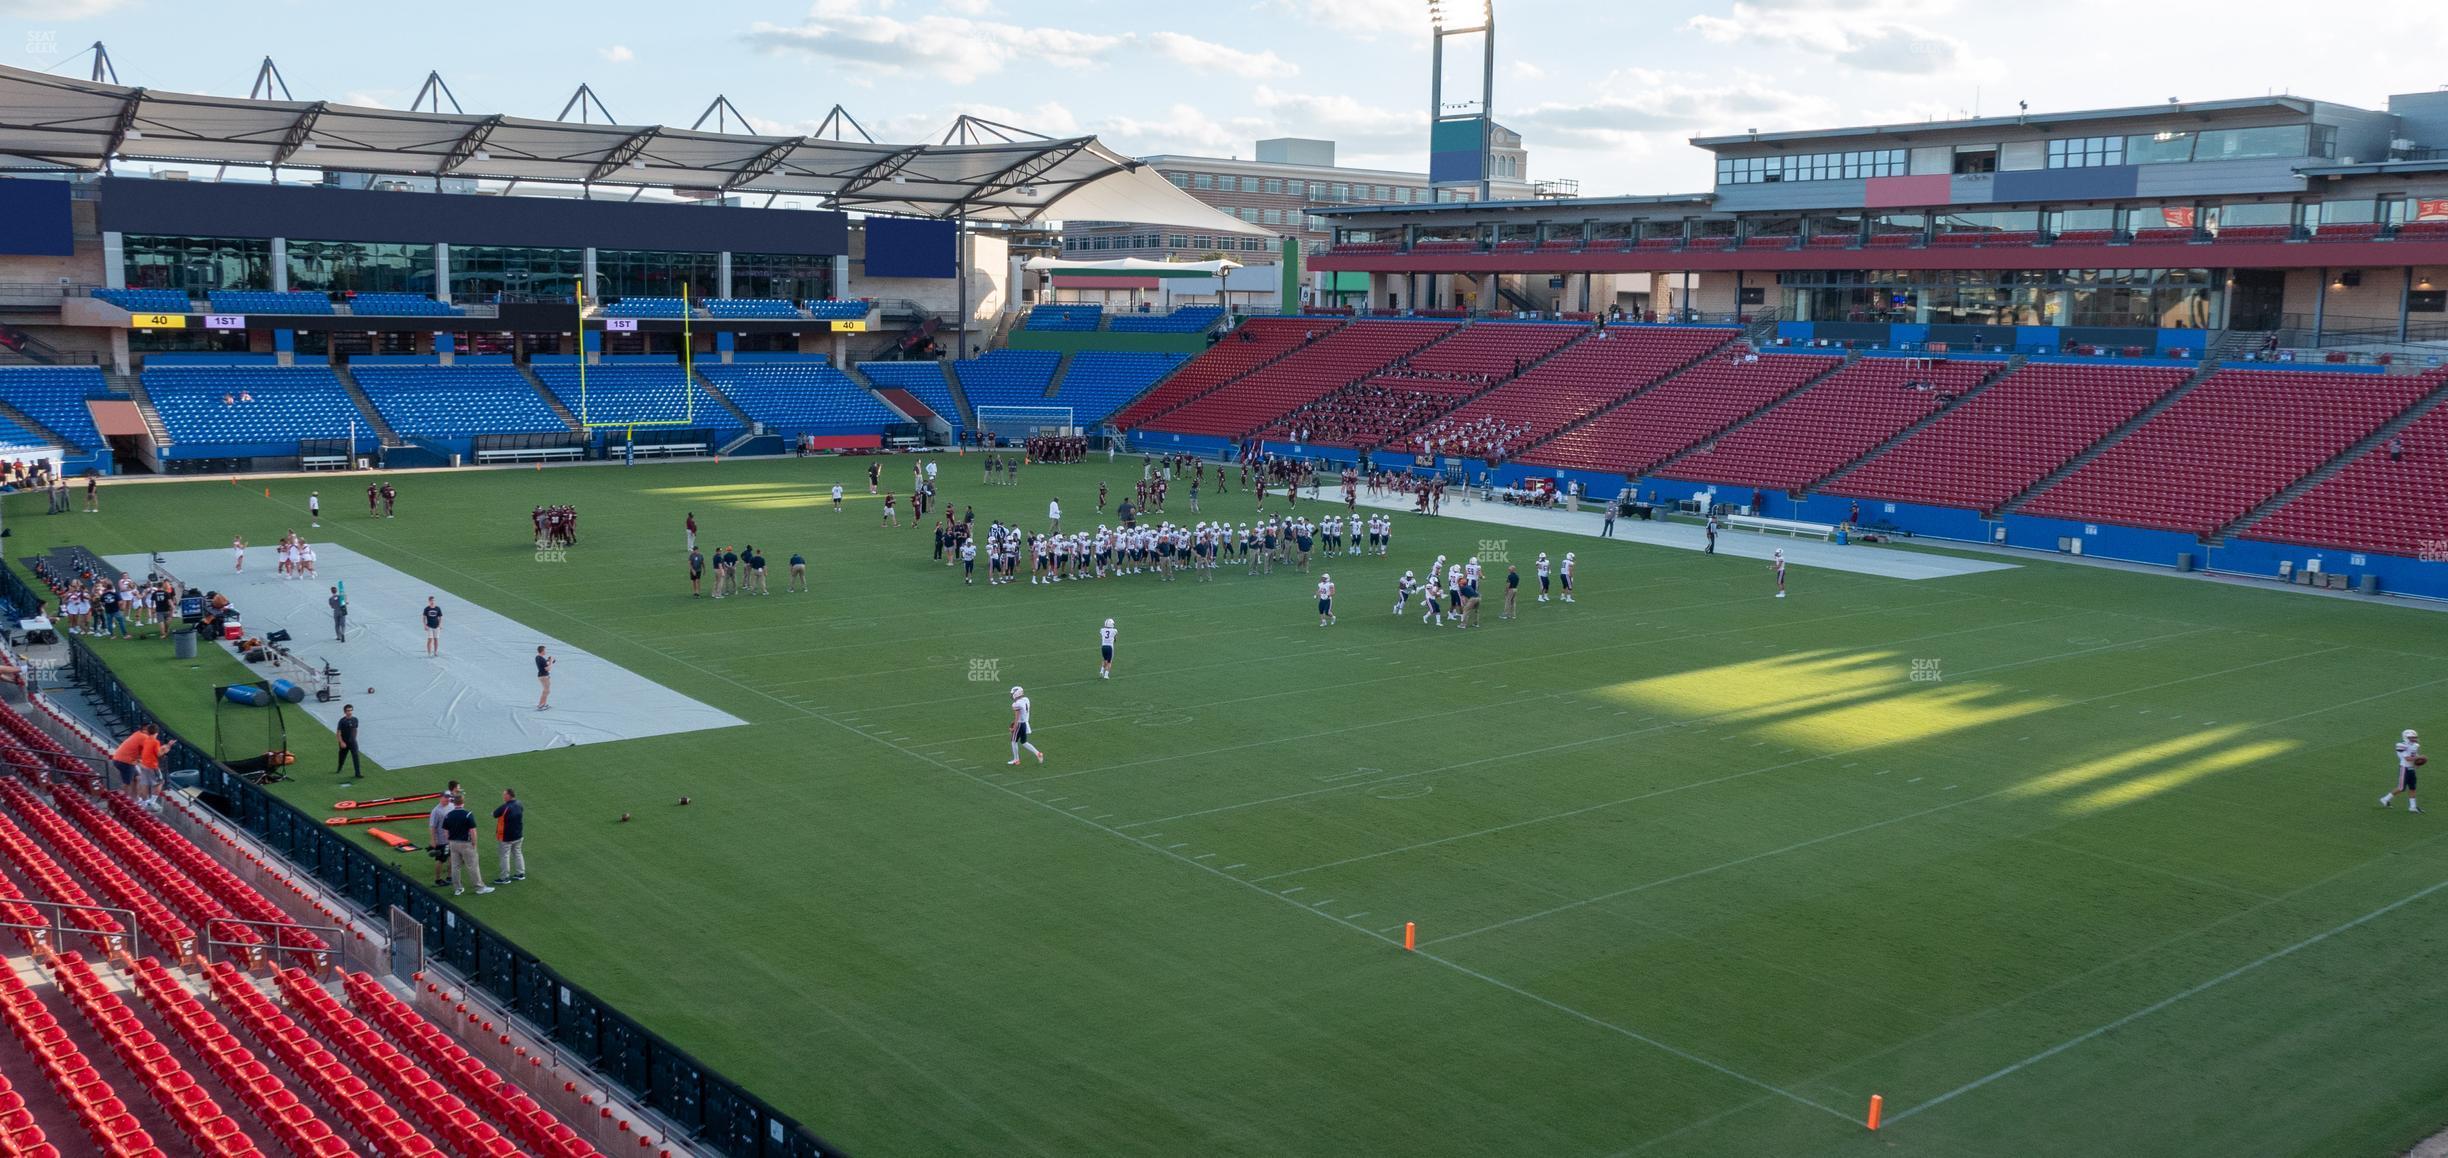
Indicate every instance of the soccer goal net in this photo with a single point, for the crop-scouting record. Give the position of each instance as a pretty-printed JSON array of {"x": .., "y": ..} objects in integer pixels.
[{"x": 1018, "y": 422}]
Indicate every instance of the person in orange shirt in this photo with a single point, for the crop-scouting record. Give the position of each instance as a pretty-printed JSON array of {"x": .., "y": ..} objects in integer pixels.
[{"x": 138, "y": 759}]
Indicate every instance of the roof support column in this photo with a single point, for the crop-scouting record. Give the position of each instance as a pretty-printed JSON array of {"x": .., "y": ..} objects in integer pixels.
[
  {"x": 722, "y": 273},
  {"x": 960, "y": 245},
  {"x": 114, "y": 260},
  {"x": 2320, "y": 306},
  {"x": 442, "y": 272},
  {"x": 280, "y": 265},
  {"x": 2405, "y": 302}
]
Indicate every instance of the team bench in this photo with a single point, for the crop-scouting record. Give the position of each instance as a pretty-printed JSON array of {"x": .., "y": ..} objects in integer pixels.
[
  {"x": 323, "y": 462},
  {"x": 1795, "y": 528},
  {"x": 530, "y": 454}
]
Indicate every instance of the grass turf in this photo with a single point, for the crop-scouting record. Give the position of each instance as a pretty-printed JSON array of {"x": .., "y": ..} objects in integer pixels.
[{"x": 1695, "y": 871}]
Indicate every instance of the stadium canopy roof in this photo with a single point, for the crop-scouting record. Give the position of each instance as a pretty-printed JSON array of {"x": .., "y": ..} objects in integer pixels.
[{"x": 63, "y": 124}]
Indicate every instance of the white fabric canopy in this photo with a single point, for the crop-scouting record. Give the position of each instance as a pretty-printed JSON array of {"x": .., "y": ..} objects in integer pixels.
[
  {"x": 62, "y": 124},
  {"x": 1129, "y": 265}
]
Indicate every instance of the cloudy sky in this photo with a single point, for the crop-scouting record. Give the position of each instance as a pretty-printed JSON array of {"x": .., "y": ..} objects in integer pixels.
[{"x": 1607, "y": 94}]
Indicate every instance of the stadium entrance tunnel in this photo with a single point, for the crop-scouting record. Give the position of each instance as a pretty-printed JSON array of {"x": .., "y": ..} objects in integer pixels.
[{"x": 1830, "y": 701}]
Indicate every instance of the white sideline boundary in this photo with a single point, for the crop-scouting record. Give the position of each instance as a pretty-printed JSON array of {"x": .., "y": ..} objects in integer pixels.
[{"x": 2165, "y": 1002}]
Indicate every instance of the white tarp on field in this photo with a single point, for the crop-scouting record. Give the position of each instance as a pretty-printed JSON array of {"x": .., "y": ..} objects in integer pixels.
[{"x": 476, "y": 700}]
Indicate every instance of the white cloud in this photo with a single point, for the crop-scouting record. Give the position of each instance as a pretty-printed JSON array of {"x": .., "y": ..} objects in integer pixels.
[
  {"x": 1868, "y": 35},
  {"x": 618, "y": 54},
  {"x": 1524, "y": 70},
  {"x": 59, "y": 9},
  {"x": 1208, "y": 56},
  {"x": 1364, "y": 18},
  {"x": 953, "y": 48}
]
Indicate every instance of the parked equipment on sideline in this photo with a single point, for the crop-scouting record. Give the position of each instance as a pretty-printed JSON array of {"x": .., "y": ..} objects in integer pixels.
[
  {"x": 380, "y": 801},
  {"x": 337, "y": 821},
  {"x": 397, "y": 842}
]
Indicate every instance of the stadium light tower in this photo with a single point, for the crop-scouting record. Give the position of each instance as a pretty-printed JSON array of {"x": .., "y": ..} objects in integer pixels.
[{"x": 1459, "y": 135}]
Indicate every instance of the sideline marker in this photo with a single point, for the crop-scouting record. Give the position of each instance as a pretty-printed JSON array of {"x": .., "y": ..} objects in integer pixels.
[
  {"x": 1876, "y": 1104},
  {"x": 1410, "y": 937}
]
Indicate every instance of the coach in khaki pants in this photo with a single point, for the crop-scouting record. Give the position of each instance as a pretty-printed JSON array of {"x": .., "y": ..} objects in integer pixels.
[{"x": 459, "y": 826}]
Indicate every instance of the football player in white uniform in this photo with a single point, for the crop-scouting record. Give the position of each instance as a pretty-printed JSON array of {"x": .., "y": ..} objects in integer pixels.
[
  {"x": 1105, "y": 645},
  {"x": 1020, "y": 726},
  {"x": 1325, "y": 599},
  {"x": 1402, "y": 591},
  {"x": 2409, "y": 758},
  {"x": 1566, "y": 573}
]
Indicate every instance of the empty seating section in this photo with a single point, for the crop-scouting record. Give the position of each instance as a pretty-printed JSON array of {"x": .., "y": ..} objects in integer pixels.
[
  {"x": 103, "y": 932},
  {"x": 1007, "y": 377},
  {"x": 1099, "y": 382},
  {"x": 408, "y": 1083},
  {"x": 55, "y": 396},
  {"x": 1903, "y": 240},
  {"x": 1995, "y": 446},
  {"x": 1771, "y": 241},
  {"x": 839, "y": 309},
  {"x": 2423, "y": 231},
  {"x": 1834, "y": 422},
  {"x": 17, "y": 440},
  {"x": 1249, "y": 345},
  {"x": 1492, "y": 351},
  {"x": 148, "y": 301},
  {"x": 1832, "y": 241},
  {"x": 113, "y": 1131},
  {"x": 332, "y": 1081},
  {"x": 242, "y": 898},
  {"x": 457, "y": 401},
  {"x": 258, "y": 409},
  {"x": 1185, "y": 320},
  {"x": 269, "y": 302},
  {"x": 401, "y": 305},
  {"x": 2335, "y": 231},
  {"x": 641, "y": 308},
  {"x": 800, "y": 396},
  {"x": 1983, "y": 238},
  {"x": 2227, "y": 445},
  {"x": 1559, "y": 245},
  {"x": 440, "y": 1054},
  {"x": 1679, "y": 412},
  {"x": 258, "y": 1087},
  {"x": 750, "y": 308},
  {"x": 2265, "y": 233},
  {"x": 2163, "y": 234},
  {"x": 121, "y": 888},
  {"x": 2086, "y": 237},
  {"x": 1065, "y": 317},
  {"x": 1577, "y": 382},
  {"x": 1334, "y": 360},
  {"x": 1369, "y": 247},
  {"x": 922, "y": 379},
  {"x": 1445, "y": 247},
  {"x": 2395, "y": 507},
  {"x": 624, "y": 392},
  {"x": 209, "y": 1130}
]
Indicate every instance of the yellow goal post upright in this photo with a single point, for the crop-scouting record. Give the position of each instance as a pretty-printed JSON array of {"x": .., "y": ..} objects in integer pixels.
[{"x": 688, "y": 375}]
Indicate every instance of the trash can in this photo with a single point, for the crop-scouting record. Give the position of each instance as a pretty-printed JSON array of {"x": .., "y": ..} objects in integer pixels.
[
  {"x": 2369, "y": 584},
  {"x": 2184, "y": 560},
  {"x": 182, "y": 643}
]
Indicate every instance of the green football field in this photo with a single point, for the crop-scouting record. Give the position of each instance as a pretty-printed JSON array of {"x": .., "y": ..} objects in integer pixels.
[{"x": 2058, "y": 860}]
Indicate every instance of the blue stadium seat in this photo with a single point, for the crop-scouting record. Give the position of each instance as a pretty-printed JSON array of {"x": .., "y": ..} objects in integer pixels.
[
  {"x": 923, "y": 379},
  {"x": 1065, "y": 317},
  {"x": 55, "y": 396},
  {"x": 16, "y": 440},
  {"x": 647, "y": 391},
  {"x": 1100, "y": 382},
  {"x": 251, "y": 410},
  {"x": 1186, "y": 320},
  {"x": 641, "y": 308},
  {"x": 457, "y": 401},
  {"x": 750, "y": 308},
  {"x": 800, "y": 396},
  {"x": 269, "y": 302},
  {"x": 1008, "y": 377},
  {"x": 401, "y": 306},
  {"x": 839, "y": 309},
  {"x": 148, "y": 301}
]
